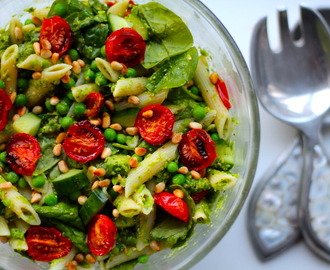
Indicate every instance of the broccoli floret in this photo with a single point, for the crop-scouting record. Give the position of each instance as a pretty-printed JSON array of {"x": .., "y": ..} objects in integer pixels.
[
  {"x": 194, "y": 186},
  {"x": 50, "y": 125},
  {"x": 162, "y": 176},
  {"x": 117, "y": 164},
  {"x": 225, "y": 156}
]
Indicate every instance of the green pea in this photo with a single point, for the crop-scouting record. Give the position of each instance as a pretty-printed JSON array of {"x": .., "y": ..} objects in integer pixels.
[
  {"x": 22, "y": 84},
  {"x": 89, "y": 75},
  {"x": 131, "y": 72},
  {"x": 51, "y": 199},
  {"x": 103, "y": 53},
  {"x": 70, "y": 84},
  {"x": 66, "y": 122},
  {"x": 139, "y": 158},
  {"x": 194, "y": 89},
  {"x": 79, "y": 108},
  {"x": 22, "y": 182},
  {"x": 2, "y": 84},
  {"x": 143, "y": 259},
  {"x": 100, "y": 80},
  {"x": 179, "y": 179},
  {"x": 59, "y": 9},
  {"x": 62, "y": 108},
  {"x": 49, "y": 106},
  {"x": 94, "y": 66},
  {"x": 3, "y": 156},
  {"x": 74, "y": 55},
  {"x": 215, "y": 137},
  {"x": 28, "y": 21},
  {"x": 172, "y": 167},
  {"x": 110, "y": 134},
  {"x": 38, "y": 181},
  {"x": 121, "y": 138},
  {"x": 21, "y": 100},
  {"x": 12, "y": 177},
  {"x": 199, "y": 113}
]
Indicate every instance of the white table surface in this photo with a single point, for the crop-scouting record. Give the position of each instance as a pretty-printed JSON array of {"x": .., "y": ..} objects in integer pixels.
[{"x": 235, "y": 251}]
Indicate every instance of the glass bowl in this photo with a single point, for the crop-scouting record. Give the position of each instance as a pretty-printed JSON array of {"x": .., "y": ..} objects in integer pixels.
[{"x": 212, "y": 36}]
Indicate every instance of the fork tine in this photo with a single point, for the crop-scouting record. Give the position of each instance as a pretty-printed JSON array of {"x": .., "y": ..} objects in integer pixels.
[{"x": 285, "y": 34}]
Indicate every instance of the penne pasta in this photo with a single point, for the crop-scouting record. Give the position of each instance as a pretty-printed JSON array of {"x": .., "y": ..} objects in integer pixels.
[
  {"x": 221, "y": 180},
  {"x": 130, "y": 87},
  {"x": 34, "y": 62},
  {"x": 127, "y": 207},
  {"x": 55, "y": 72},
  {"x": 106, "y": 69},
  {"x": 8, "y": 68}
]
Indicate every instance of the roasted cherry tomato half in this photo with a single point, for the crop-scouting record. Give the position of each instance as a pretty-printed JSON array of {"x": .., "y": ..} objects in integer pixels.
[
  {"x": 173, "y": 205},
  {"x": 155, "y": 123},
  {"x": 223, "y": 93},
  {"x": 83, "y": 142},
  {"x": 197, "y": 197},
  {"x": 23, "y": 153},
  {"x": 101, "y": 236},
  {"x": 125, "y": 46},
  {"x": 197, "y": 149},
  {"x": 94, "y": 102},
  {"x": 58, "y": 32},
  {"x": 5, "y": 106},
  {"x": 46, "y": 244}
]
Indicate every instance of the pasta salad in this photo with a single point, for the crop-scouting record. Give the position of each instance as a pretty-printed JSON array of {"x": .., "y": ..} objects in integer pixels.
[{"x": 115, "y": 135}]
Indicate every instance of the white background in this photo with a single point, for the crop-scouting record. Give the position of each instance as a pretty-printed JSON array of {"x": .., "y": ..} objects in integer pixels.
[{"x": 235, "y": 251}]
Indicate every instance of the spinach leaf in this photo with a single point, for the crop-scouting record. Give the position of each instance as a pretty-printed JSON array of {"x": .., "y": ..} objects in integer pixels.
[
  {"x": 47, "y": 160},
  {"x": 175, "y": 72},
  {"x": 171, "y": 34}
]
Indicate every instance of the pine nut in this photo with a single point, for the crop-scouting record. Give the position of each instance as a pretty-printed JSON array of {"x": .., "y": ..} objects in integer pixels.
[
  {"x": 12, "y": 97},
  {"x": 96, "y": 122},
  {"x": 65, "y": 78},
  {"x": 100, "y": 172},
  {"x": 195, "y": 125},
  {"x": 176, "y": 138},
  {"x": 91, "y": 169},
  {"x": 95, "y": 185},
  {"x": 82, "y": 199},
  {"x": 36, "y": 48},
  {"x": 15, "y": 117},
  {"x": 37, "y": 109},
  {"x": 106, "y": 152},
  {"x": 54, "y": 58},
  {"x": 133, "y": 100},
  {"x": 154, "y": 245},
  {"x": 117, "y": 188},
  {"x": 4, "y": 239},
  {"x": 148, "y": 114},
  {"x": 109, "y": 104},
  {"x": 57, "y": 150},
  {"x": 159, "y": 187},
  {"x": 115, "y": 213},
  {"x": 104, "y": 183},
  {"x": 71, "y": 265},
  {"x": 116, "y": 126},
  {"x": 214, "y": 78},
  {"x": 81, "y": 62},
  {"x": 90, "y": 258},
  {"x": 36, "y": 75},
  {"x": 106, "y": 120},
  {"x": 183, "y": 170},
  {"x": 21, "y": 111},
  {"x": 196, "y": 175},
  {"x": 133, "y": 162},
  {"x": 63, "y": 167},
  {"x": 76, "y": 68},
  {"x": 18, "y": 33},
  {"x": 140, "y": 151},
  {"x": 116, "y": 65},
  {"x": 67, "y": 59},
  {"x": 36, "y": 21},
  {"x": 79, "y": 257},
  {"x": 46, "y": 54},
  {"x": 60, "y": 137},
  {"x": 178, "y": 193},
  {"x": 54, "y": 100},
  {"x": 35, "y": 197},
  {"x": 6, "y": 185},
  {"x": 45, "y": 44},
  {"x": 132, "y": 131}
]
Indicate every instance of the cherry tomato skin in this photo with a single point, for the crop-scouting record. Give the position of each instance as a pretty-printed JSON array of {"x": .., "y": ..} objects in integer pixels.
[
  {"x": 173, "y": 205},
  {"x": 101, "y": 236},
  {"x": 125, "y": 46},
  {"x": 83, "y": 142},
  {"x": 197, "y": 197},
  {"x": 23, "y": 153},
  {"x": 197, "y": 149},
  {"x": 223, "y": 93},
  {"x": 94, "y": 102},
  {"x": 157, "y": 128},
  {"x": 5, "y": 106},
  {"x": 58, "y": 32},
  {"x": 46, "y": 244}
]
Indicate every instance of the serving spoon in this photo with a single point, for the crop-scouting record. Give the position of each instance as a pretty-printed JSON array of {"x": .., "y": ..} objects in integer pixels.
[{"x": 294, "y": 86}]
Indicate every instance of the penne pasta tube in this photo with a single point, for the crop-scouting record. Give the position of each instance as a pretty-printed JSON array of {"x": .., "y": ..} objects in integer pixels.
[
  {"x": 220, "y": 180},
  {"x": 8, "y": 68},
  {"x": 127, "y": 207},
  {"x": 106, "y": 69},
  {"x": 130, "y": 87},
  {"x": 34, "y": 62},
  {"x": 55, "y": 72}
]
